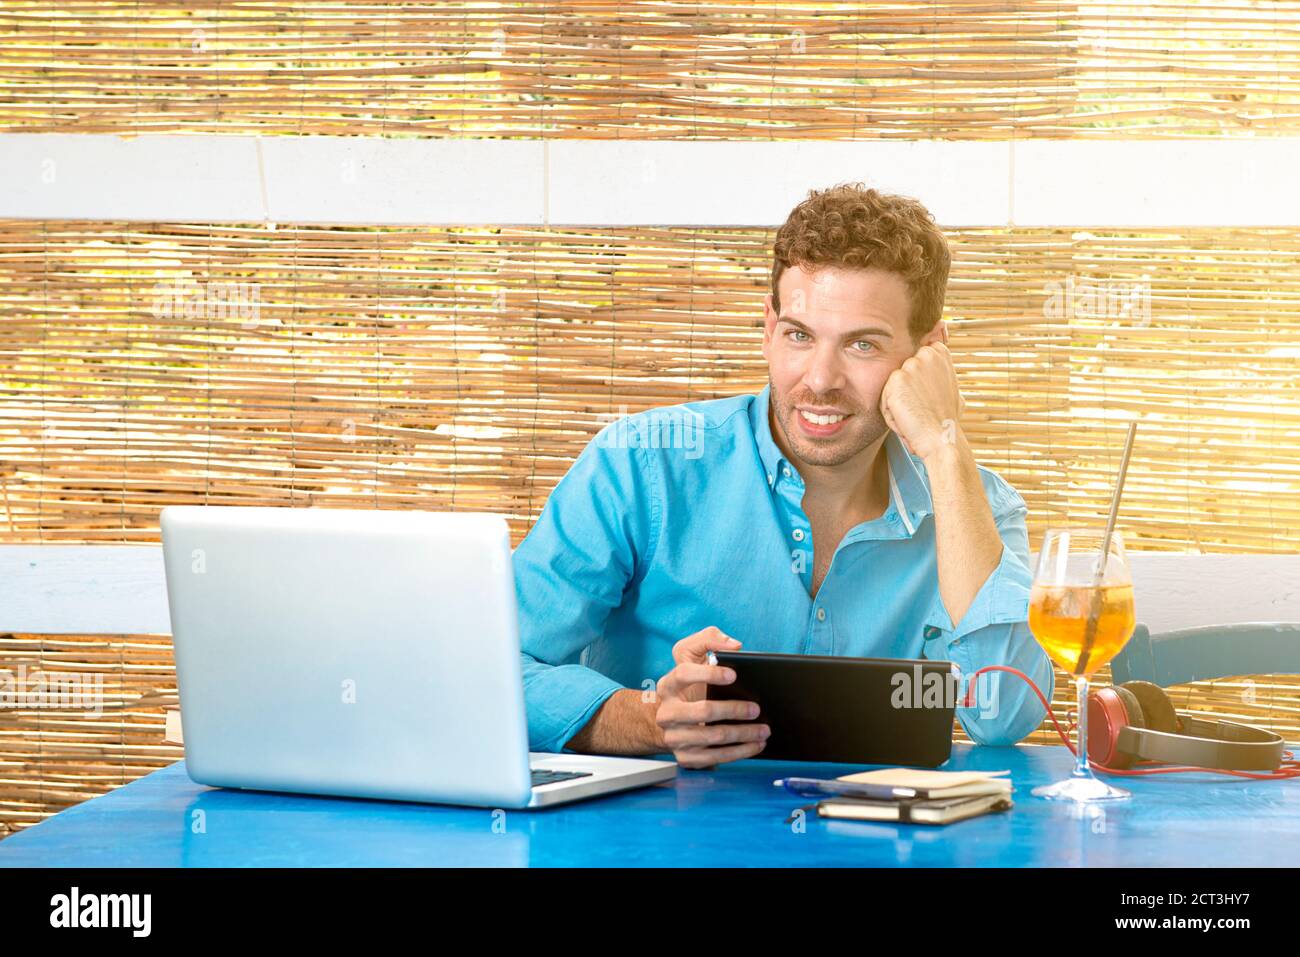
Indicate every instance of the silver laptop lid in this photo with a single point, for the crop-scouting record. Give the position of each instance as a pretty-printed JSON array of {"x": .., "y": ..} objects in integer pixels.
[{"x": 355, "y": 652}]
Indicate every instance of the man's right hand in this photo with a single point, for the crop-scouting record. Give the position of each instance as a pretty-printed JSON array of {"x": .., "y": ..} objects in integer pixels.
[{"x": 684, "y": 713}]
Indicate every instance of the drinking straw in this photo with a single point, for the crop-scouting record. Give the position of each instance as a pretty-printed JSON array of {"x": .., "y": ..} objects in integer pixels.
[{"x": 1094, "y": 606}]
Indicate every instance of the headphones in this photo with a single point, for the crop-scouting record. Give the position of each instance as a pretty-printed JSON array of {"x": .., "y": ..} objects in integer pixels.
[{"x": 1136, "y": 722}]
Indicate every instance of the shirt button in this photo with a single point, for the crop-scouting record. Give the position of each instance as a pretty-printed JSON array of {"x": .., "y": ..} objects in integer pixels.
[
  {"x": 797, "y": 534},
  {"x": 769, "y": 478},
  {"x": 786, "y": 471},
  {"x": 821, "y": 614}
]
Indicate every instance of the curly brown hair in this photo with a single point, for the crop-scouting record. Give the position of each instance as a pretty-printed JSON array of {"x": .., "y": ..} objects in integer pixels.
[{"x": 854, "y": 227}]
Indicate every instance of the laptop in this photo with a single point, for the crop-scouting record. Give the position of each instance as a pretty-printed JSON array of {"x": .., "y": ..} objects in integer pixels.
[{"x": 361, "y": 653}]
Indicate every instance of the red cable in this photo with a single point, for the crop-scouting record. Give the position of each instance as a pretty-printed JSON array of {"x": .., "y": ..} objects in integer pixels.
[{"x": 1288, "y": 769}]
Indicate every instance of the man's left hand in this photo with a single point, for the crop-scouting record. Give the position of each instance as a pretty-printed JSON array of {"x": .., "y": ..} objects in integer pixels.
[{"x": 922, "y": 402}]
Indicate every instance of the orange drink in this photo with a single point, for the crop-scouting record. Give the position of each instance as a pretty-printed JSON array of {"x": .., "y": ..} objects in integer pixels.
[{"x": 1058, "y": 617}]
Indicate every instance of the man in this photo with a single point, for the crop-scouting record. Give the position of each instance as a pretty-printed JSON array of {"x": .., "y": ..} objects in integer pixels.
[{"x": 838, "y": 512}]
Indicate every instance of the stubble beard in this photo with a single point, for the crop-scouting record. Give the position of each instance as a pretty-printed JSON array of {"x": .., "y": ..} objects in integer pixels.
[{"x": 861, "y": 430}]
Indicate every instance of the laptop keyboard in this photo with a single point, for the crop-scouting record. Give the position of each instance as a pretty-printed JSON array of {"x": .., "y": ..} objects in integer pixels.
[{"x": 541, "y": 776}]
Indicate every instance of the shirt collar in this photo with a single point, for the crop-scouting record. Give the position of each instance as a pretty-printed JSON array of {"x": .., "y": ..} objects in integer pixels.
[{"x": 909, "y": 487}]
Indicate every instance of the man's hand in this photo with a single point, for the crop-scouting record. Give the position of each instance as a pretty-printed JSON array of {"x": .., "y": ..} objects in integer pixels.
[
  {"x": 684, "y": 713},
  {"x": 921, "y": 401}
]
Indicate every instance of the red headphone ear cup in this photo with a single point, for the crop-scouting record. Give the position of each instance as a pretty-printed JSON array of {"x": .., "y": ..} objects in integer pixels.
[
  {"x": 1109, "y": 710},
  {"x": 1157, "y": 710}
]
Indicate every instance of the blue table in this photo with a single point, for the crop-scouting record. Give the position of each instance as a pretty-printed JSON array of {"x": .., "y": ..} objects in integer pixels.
[{"x": 729, "y": 816}]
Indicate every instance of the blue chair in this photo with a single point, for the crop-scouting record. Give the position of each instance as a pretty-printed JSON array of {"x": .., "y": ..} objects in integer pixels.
[{"x": 1209, "y": 651}]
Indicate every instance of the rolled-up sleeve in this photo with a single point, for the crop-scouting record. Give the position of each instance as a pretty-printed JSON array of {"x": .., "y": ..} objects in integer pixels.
[
  {"x": 995, "y": 631},
  {"x": 594, "y": 537}
]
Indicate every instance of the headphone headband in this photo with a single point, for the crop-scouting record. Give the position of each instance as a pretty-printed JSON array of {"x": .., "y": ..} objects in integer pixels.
[{"x": 1206, "y": 744}]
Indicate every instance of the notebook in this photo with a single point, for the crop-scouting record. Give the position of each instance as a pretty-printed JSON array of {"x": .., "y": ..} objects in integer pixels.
[
  {"x": 915, "y": 811},
  {"x": 936, "y": 784},
  {"x": 941, "y": 797}
]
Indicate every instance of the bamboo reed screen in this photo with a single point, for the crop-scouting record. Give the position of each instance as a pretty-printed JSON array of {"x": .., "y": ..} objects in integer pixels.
[
  {"x": 962, "y": 69},
  {"x": 465, "y": 368},
  {"x": 142, "y": 365}
]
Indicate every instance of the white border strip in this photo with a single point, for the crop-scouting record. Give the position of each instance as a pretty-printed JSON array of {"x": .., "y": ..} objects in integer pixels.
[
  {"x": 385, "y": 181},
  {"x": 121, "y": 589},
  {"x": 83, "y": 589}
]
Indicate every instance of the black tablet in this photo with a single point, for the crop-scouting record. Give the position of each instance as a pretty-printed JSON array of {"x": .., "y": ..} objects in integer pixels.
[{"x": 895, "y": 711}]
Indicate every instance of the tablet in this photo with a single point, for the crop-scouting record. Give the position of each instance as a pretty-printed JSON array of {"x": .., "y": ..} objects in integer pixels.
[{"x": 894, "y": 711}]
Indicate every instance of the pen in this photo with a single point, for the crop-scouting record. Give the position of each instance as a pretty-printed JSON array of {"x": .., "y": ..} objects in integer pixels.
[{"x": 815, "y": 787}]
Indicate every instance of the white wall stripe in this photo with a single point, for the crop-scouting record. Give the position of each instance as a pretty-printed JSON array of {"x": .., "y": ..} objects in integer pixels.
[
  {"x": 261, "y": 182},
  {"x": 382, "y": 181},
  {"x": 756, "y": 184},
  {"x": 121, "y": 589},
  {"x": 1158, "y": 183}
]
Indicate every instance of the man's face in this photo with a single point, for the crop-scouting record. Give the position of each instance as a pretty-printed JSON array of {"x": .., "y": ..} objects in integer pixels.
[{"x": 840, "y": 334}]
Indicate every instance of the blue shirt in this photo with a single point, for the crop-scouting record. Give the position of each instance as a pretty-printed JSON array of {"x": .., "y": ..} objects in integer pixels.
[{"x": 686, "y": 516}]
